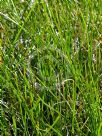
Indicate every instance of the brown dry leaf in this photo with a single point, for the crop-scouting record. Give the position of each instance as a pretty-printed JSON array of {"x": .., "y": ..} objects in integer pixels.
[{"x": 1, "y": 61}]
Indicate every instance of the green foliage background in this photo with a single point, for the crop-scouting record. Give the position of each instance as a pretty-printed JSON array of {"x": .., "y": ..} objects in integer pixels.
[{"x": 50, "y": 68}]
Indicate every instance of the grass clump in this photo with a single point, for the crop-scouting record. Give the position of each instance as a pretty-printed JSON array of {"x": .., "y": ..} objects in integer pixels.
[{"x": 50, "y": 68}]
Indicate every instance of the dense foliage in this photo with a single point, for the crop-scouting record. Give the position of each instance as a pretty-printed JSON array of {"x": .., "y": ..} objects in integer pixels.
[{"x": 50, "y": 68}]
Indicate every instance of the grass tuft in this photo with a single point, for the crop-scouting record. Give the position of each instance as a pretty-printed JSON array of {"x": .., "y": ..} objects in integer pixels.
[{"x": 50, "y": 68}]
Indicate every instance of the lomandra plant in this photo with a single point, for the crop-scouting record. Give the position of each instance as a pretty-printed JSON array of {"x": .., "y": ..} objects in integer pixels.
[{"x": 50, "y": 68}]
